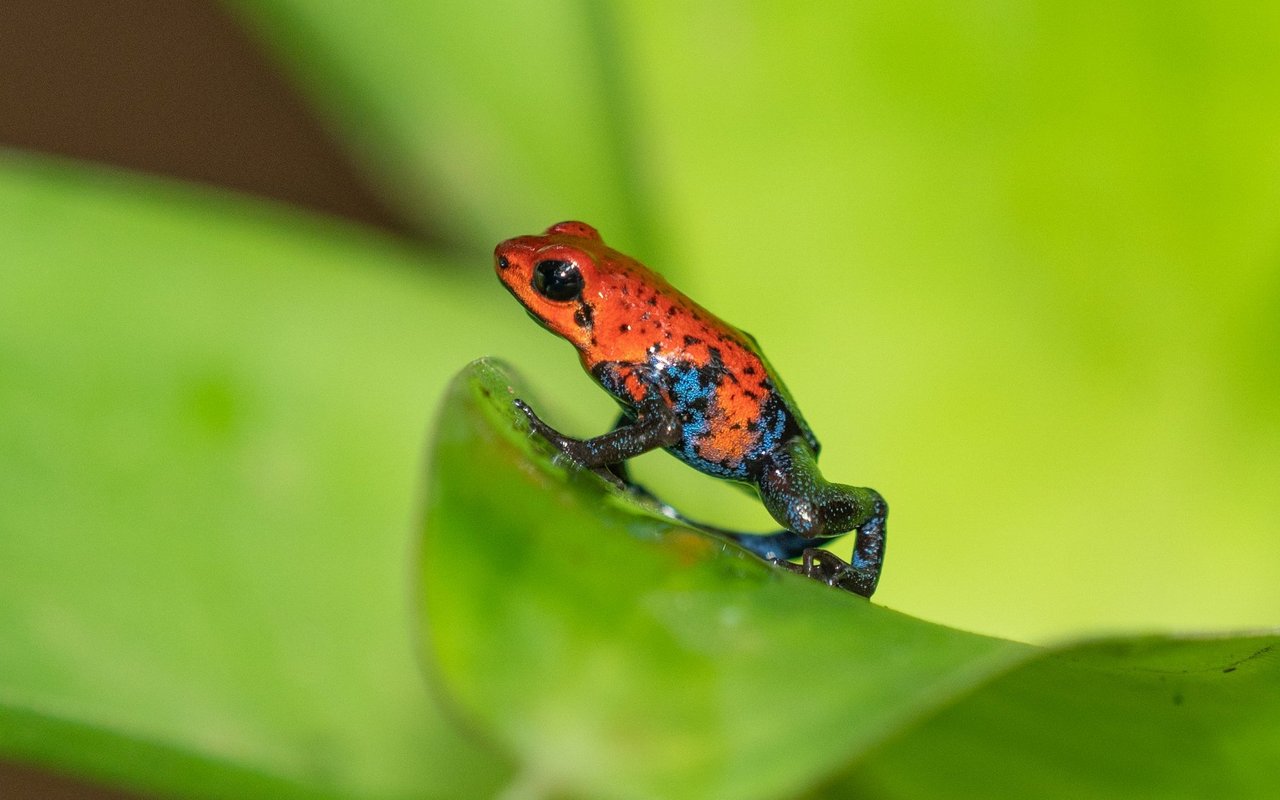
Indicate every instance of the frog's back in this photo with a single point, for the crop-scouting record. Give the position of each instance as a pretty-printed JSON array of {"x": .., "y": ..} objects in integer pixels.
[
  {"x": 784, "y": 394},
  {"x": 733, "y": 408}
]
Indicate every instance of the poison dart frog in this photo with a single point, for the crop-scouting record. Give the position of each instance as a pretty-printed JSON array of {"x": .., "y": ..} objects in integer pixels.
[{"x": 695, "y": 386}]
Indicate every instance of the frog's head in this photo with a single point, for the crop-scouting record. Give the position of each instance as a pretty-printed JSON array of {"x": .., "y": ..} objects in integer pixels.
[{"x": 556, "y": 277}]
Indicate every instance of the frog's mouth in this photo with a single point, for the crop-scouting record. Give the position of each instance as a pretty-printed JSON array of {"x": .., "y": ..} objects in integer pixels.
[
  {"x": 520, "y": 300},
  {"x": 541, "y": 322}
]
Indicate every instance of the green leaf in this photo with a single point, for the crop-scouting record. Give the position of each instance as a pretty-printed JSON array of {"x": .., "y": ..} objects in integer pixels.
[
  {"x": 1143, "y": 717},
  {"x": 616, "y": 654},
  {"x": 485, "y": 122},
  {"x": 212, "y": 414}
]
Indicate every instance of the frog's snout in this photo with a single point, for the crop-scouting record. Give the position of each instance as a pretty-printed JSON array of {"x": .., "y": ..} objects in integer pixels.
[{"x": 513, "y": 253}]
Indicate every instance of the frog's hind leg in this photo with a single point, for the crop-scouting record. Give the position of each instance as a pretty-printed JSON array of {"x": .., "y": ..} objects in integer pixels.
[
  {"x": 780, "y": 546},
  {"x": 812, "y": 508},
  {"x": 821, "y": 565},
  {"x": 799, "y": 497}
]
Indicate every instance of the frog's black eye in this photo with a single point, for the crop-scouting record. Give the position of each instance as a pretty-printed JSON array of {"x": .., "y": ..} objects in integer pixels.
[{"x": 557, "y": 280}]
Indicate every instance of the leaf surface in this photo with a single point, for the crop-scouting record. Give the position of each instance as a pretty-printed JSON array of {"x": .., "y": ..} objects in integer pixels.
[
  {"x": 212, "y": 415},
  {"x": 616, "y": 654}
]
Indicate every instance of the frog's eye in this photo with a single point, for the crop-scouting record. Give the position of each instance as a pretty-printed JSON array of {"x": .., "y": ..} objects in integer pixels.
[{"x": 557, "y": 280}]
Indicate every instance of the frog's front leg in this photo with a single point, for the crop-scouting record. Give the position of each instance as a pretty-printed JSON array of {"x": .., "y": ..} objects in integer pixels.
[
  {"x": 655, "y": 426},
  {"x": 812, "y": 508},
  {"x": 619, "y": 469}
]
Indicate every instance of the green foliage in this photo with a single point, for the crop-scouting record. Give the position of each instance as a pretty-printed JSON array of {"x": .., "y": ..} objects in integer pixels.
[
  {"x": 207, "y": 466},
  {"x": 617, "y": 655},
  {"x": 1018, "y": 264}
]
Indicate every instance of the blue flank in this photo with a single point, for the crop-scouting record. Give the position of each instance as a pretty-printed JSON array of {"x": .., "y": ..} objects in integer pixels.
[
  {"x": 771, "y": 428},
  {"x": 692, "y": 401},
  {"x": 688, "y": 394}
]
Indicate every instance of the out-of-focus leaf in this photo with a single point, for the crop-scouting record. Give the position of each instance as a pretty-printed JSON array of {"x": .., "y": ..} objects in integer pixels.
[
  {"x": 486, "y": 120},
  {"x": 615, "y": 654},
  {"x": 212, "y": 415},
  {"x": 1143, "y": 717},
  {"x": 619, "y": 656}
]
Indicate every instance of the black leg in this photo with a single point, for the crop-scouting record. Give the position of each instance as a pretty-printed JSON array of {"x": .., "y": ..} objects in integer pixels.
[
  {"x": 655, "y": 426},
  {"x": 779, "y": 546},
  {"x": 831, "y": 569},
  {"x": 811, "y": 507},
  {"x": 620, "y": 470}
]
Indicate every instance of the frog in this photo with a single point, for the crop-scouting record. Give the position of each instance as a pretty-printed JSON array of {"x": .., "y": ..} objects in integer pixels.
[{"x": 695, "y": 386}]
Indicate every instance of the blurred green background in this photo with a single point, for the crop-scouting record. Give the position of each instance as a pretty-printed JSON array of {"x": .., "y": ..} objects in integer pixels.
[{"x": 1017, "y": 262}]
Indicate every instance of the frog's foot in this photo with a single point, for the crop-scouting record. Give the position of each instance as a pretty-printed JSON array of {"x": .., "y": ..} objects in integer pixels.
[
  {"x": 776, "y": 547},
  {"x": 645, "y": 494},
  {"x": 575, "y": 451},
  {"x": 831, "y": 569}
]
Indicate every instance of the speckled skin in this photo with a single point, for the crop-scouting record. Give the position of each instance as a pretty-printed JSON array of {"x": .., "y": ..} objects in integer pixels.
[{"x": 695, "y": 386}]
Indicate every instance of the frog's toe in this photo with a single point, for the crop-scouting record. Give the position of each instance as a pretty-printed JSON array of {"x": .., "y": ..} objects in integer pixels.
[
  {"x": 610, "y": 478},
  {"x": 831, "y": 569}
]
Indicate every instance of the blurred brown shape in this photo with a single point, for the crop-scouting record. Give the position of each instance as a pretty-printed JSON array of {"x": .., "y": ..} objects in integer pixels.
[
  {"x": 174, "y": 88},
  {"x": 24, "y": 783}
]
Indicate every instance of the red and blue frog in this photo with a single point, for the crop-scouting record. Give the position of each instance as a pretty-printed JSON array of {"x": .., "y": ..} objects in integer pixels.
[{"x": 695, "y": 386}]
